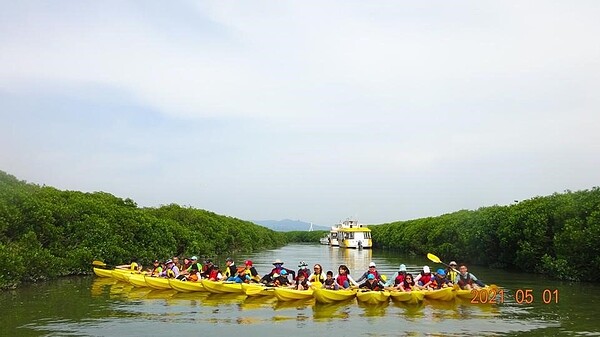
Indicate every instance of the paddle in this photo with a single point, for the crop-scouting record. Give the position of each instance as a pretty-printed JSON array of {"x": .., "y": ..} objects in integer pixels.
[
  {"x": 99, "y": 263},
  {"x": 437, "y": 260}
]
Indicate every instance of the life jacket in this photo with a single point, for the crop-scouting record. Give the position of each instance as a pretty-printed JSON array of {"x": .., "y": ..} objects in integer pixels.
[
  {"x": 317, "y": 278},
  {"x": 341, "y": 279},
  {"x": 425, "y": 277},
  {"x": 156, "y": 271},
  {"x": 193, "y": 277},
  {"x": 452, "y": 275},
  {"x": 438, "y": 282},
  {"x": 213, "y": 274},
  {"x": 464, "y": 280},
  {"x": 328, "y": 282},
  {"x": 399, "y": 279},
  {"x": 373, "y": 286}
]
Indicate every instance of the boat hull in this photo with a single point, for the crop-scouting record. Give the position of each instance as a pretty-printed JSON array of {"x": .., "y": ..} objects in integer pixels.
[
  {"x": 327, "y": 296},
  {"x": 253, "y": 289},
  {"x": 286, "y": 294},
  {"x": 159, "y": 283},
  {"x": 414, "y": 296},
  {"x": 186, "y": 286},
  {"x": 102, "y": 272},
  {"x": 220, "y": 287},
  {"x": 444, "y": 294},
  {"x": 373, "y": 297},
  {"x": 137, "y": 280}
]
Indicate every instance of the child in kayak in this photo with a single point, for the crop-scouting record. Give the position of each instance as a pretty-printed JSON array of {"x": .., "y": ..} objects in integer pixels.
[
  {"x": 343, "y": 278},
  {"x": 424, "y": 279},
  {"x": 302, "y": 283},
  {"x": 330, "y": 282},
  {"x": 372, "y": 284},
  {"x": 303, "y": 270},
  {"x": 372, "y": 271},
  {"x": 440, "y": 281},
  {"x": 281, "y": 280}
]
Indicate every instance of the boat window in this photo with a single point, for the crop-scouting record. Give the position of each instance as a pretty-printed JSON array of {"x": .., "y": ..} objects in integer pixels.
[{"x": 351, "y": 236}]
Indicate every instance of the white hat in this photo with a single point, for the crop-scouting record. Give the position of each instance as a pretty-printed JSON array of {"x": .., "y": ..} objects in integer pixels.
[
  {"x": 372, "y": 264},
  {"x": 426, "y": 269},
  {"x": 402, "y": 267}
]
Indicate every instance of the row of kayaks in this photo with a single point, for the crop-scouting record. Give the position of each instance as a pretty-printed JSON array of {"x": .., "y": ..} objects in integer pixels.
[{"x": 283, "y": 294}]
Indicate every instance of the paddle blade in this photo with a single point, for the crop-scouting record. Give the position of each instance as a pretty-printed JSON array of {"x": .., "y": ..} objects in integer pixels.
[
  {"x": 99, "y": 263},
  {"x": 434, "y": 258},
  {"x": 384, "y": 278}
]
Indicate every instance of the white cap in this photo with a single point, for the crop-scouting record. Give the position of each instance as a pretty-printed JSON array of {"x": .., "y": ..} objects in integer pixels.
[
  {"x": 372, "y": 264},
  {"x": 426, "y": 269}
]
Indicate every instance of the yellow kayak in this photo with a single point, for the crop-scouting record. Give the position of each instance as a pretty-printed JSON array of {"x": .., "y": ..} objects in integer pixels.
[
  {"x": 287, "y": 294},
  {"x": 331, "y": 296},
  {"x": 469, "y": 294},
  {"x": 372, "y": 297},
  {"x": 220, "y": 287},
  {"x": 255, "y": 289},
  {"x": 102, "y": 272},
  {"x": 121, "y": 274},
  {"x": 159, "y": 283},
  {"x": 186, "y": 286},
  {"x": 414, "y": 296},
  {"x": 444, "y": 294},
  {"x": 137, "y": 280}
]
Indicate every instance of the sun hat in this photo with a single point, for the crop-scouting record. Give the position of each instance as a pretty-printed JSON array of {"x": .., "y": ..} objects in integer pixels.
[
  {"x": 278, "y": 261},
  {"x": 169, "y": 261},
  {"x": 302, "y": 264},
  {"x": 194, "y": 258},
  {"x": 441, "y": 272},
  {"x": 452, "y": 263},
  {"x": 372, "y": 264},
  {"x": 402, "y": 267},
  {"x": 371, "y": 277},
  {"x": 426, "y": 269}
]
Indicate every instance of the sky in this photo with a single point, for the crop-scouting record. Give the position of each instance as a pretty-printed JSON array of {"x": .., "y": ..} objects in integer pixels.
[{"x": 309, "y": 110}]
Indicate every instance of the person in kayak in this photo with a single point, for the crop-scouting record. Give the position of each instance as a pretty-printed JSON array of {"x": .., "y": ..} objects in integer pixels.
[
  {"x": 302, "y": 283},
  {"x": 250, "y": 274},
  {"x": 303, "y": 270},
  {"x": 156, "y": 269},
  {"x": 281, "y": 280},
  {"x": 452, "y": 272},
  {"x": 440, "y": 280},
  {"x": 178, "y": 264},
  {"x": 467, "y": 280},
  {"x": 171, "y": 271},
  {"x": 424, "y": 279},
  {"x": 408, "y": 284},
  {"x": 193, "y": 273},
  {"x": 330, "y": 282},
  {"x": 207, "y": 268},
  {"x": 230, "y": 270},
  {"x": 394, "y": 283},
  {"x": 133, "y": 265},
  {"x": 277, "y": 270},
  {"x": 194, "y": 264},
  {"x": 372, "y": 271},
  {"x": 343, "y": 278},
  {"x": 317, "y": 275},
  {"x": 372, "y": 284},
  {"x": 215, "y": 273}
]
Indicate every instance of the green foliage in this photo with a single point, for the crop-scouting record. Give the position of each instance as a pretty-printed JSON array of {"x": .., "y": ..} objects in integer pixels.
[
  {"x": 558, "y": 235},
  {"x": 304, "y": 236},
  {"x": 45, "y": 232}
]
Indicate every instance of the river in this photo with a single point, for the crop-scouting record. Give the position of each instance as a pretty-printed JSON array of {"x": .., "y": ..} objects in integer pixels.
[{"x": 93, "y": 306}]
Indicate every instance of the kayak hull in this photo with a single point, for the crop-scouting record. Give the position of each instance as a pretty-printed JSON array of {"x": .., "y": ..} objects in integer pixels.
[
  {"x": 327, "y": 296},
  {"x": 287, "y": 294},
  {"x": 220, "y": 287},
  {"x": 414, "y": 296},
  {"x": 253, "y": 289},
  {"x": 102, "y": 272},
  {"x": 373, "y": 297},
  {"x": 186, "y": 286},
  {"x": 444, "y": 294},
  {"x": 137, "y": 280},
  {"x": 159, "y": 283}
]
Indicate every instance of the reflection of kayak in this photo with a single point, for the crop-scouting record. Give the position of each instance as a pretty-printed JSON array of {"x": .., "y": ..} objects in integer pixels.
[
  {"x": 414, "y": 296},
  {"x": 186, "y": 286},
  {"x": 444, "y": 294},
  {"x": 254, "y": 289},
  {"x": 137, "y": 280},
  {"x": 102, "y": 272},
  {"x": 287, "y": 294},
  {"x": 372, "y": 297},
  {"x": 159, "y": 283},
  {"x": 220, "y": 287},
  {"x": 330, "y": 296}
]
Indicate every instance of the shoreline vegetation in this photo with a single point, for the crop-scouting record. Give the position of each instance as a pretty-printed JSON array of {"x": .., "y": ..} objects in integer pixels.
[{"x": 47, "y": 233}]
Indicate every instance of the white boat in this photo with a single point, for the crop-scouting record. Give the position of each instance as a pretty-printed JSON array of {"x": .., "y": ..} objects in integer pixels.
[
  {"x": 354, "y": 235},
  {"x": 325, "y": 240}
]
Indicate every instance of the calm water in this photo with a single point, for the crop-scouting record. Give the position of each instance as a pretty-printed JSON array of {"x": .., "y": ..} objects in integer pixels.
[{"x": 92, "y": 306}]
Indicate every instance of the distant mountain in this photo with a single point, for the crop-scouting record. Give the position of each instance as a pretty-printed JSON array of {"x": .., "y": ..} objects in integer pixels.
[{"x": 287, "y": 225}]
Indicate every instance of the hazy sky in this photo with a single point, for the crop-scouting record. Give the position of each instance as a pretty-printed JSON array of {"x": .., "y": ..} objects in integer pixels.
[{"x": 311, "y": 110}]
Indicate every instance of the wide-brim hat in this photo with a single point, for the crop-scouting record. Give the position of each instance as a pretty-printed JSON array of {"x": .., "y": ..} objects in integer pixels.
[{"x": 278, "y": 261}]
